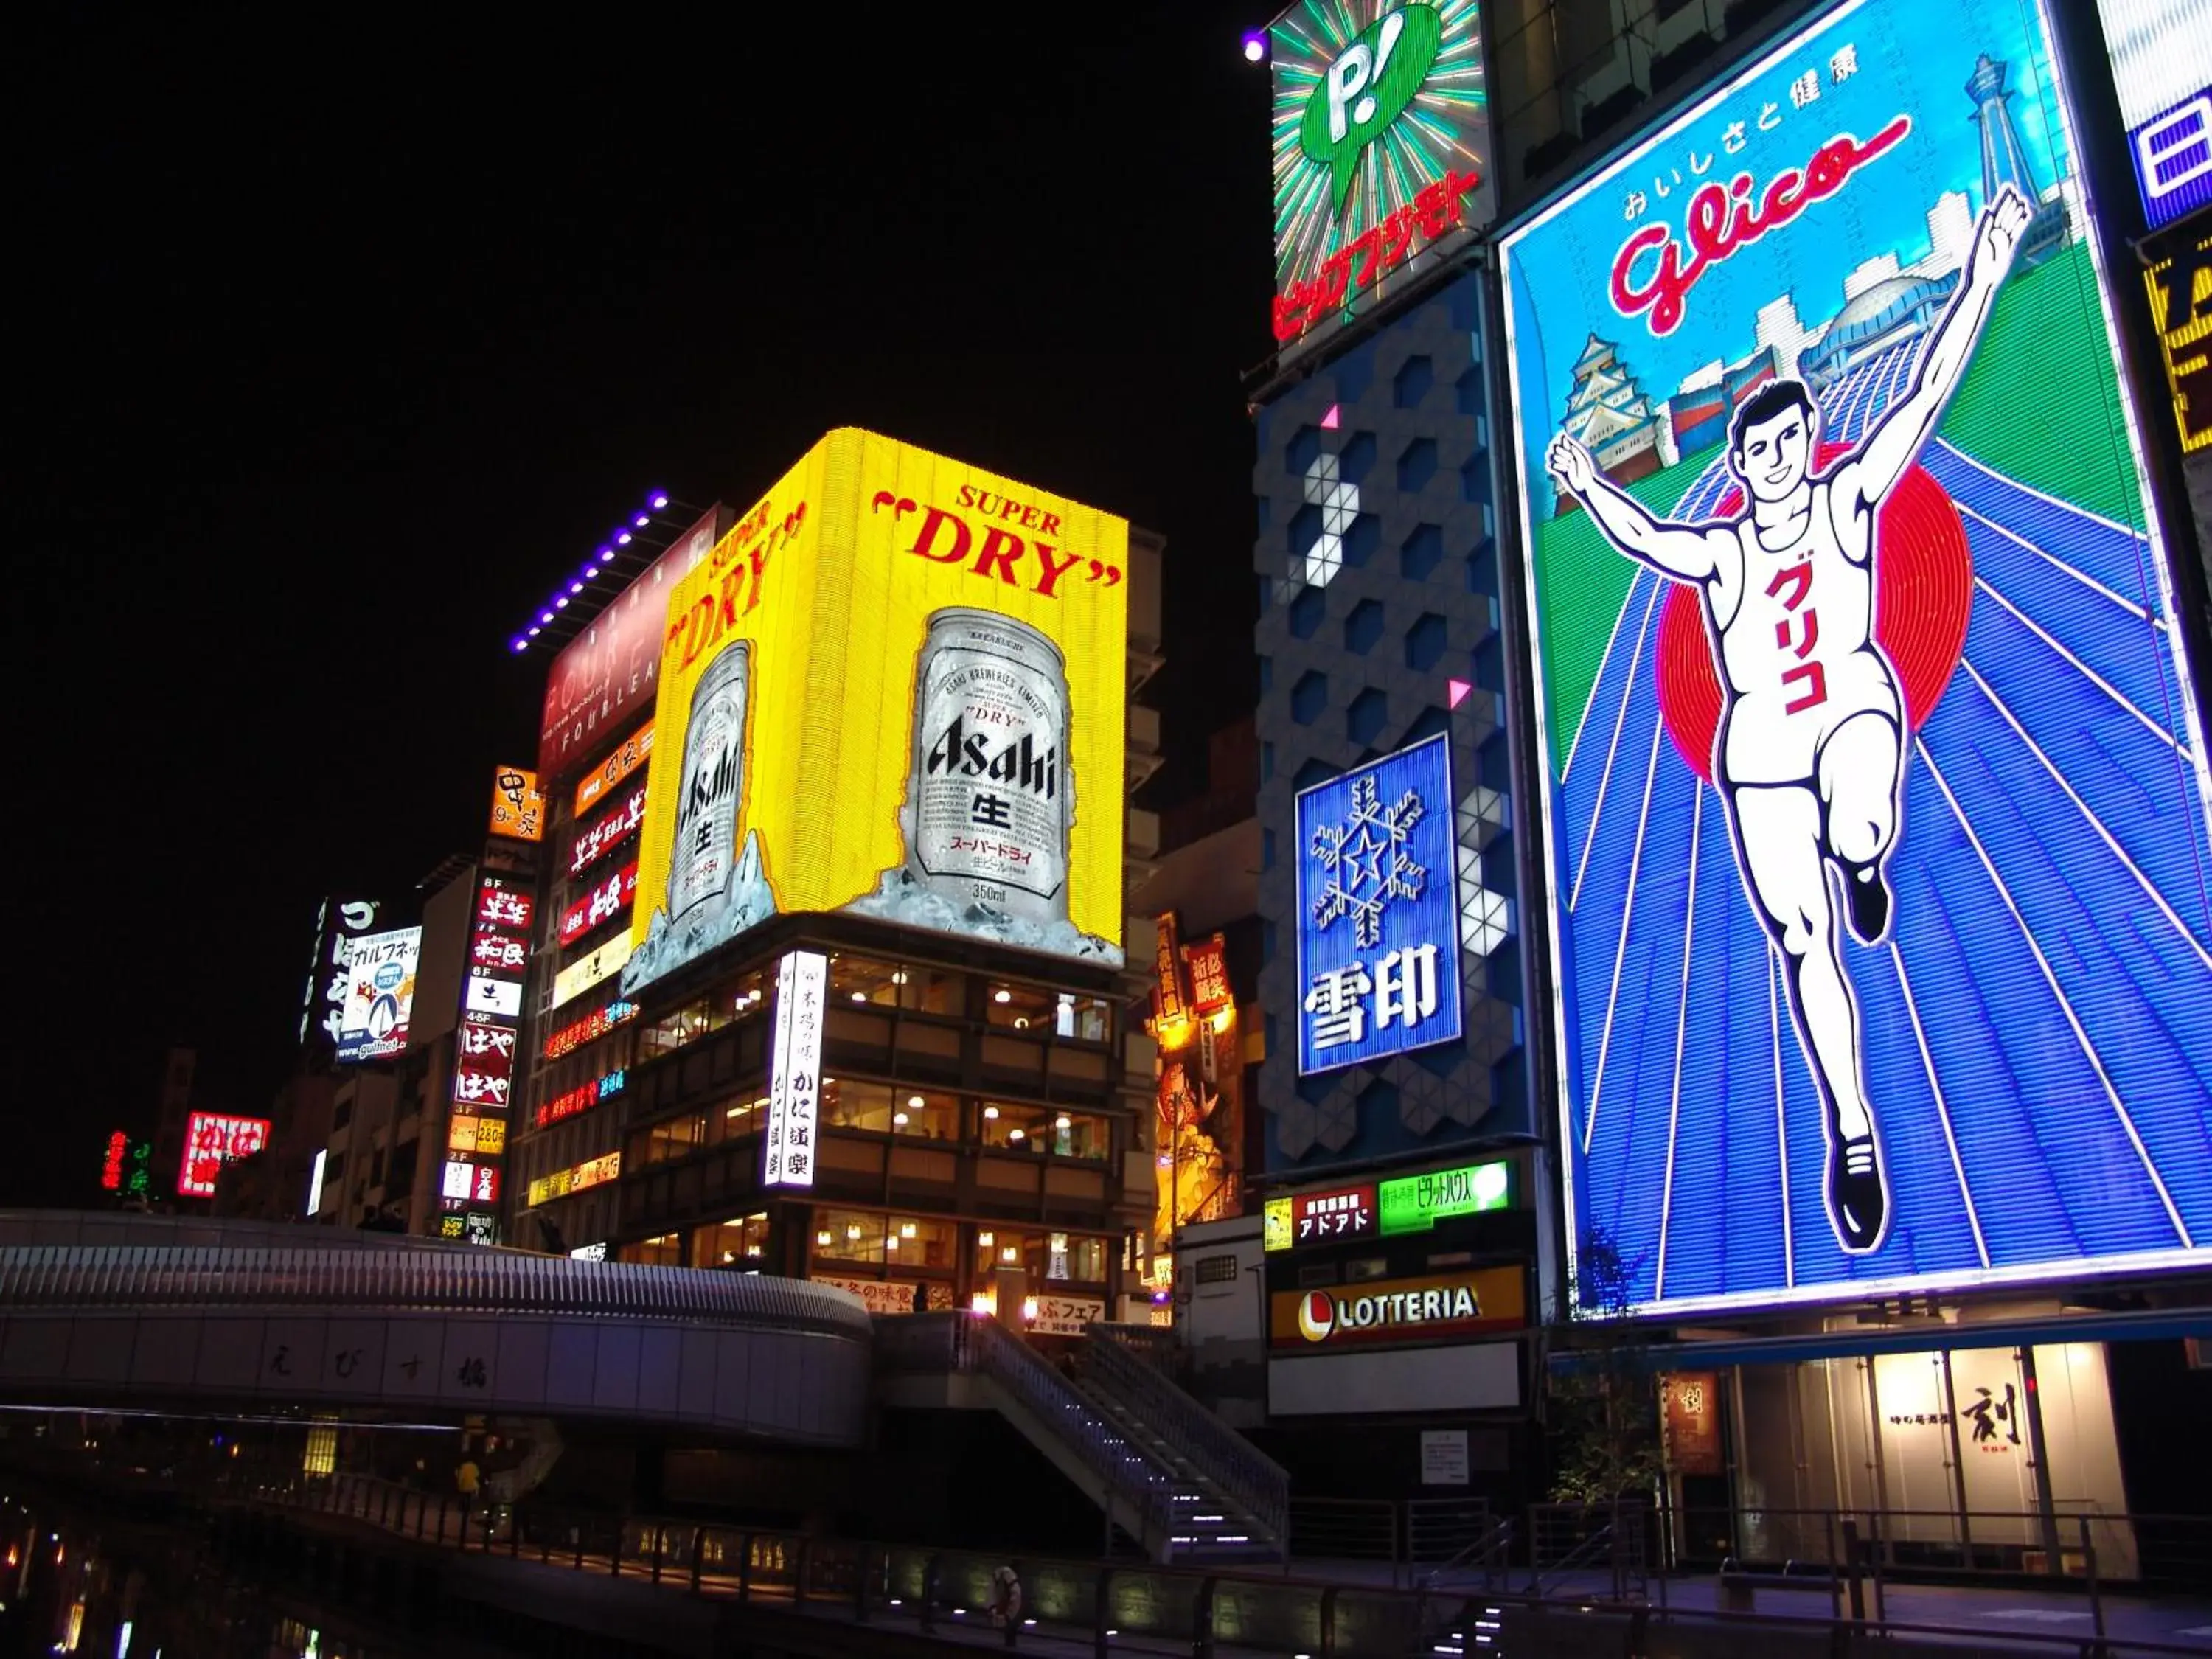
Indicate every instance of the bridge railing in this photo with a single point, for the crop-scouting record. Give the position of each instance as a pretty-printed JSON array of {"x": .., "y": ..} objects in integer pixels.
[
  {"x": 1113, "y": 1605},
  {"x": 166, "y": 1278}
]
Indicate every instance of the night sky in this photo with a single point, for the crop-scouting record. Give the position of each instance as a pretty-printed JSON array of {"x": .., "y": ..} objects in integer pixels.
[{"x": 339, "y": 356}]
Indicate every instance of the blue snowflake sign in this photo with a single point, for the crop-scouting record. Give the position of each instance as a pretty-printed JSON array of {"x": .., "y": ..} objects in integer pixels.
[{"x": 1378, "y": 911}]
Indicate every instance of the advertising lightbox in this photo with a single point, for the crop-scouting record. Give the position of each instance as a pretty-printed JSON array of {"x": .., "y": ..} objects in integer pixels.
[
  {"x": 1382, "y": 152},
  {"x": 896, "y": 688},
  {"x": 610, "y": 670},
  {"x": 603, "y": 903},
  {"x": 1876, "y": 810},
  {"x": 1400, "y": 1312},
  {"x": 795, "y": 1085},
  {"x": 517, "y": 805},
  {"x": 2162, "y": 71},
  {"x": 211, "y": 1140},
  {"x": 608, "y": 831},
  {"x": 378, "y": 971},
  {"x": 1378, "y": 911},
  {"x": 632, "y": 752},
  {"x": 2180, "y": 293},
  {"x": 1415, "y": 1203}
]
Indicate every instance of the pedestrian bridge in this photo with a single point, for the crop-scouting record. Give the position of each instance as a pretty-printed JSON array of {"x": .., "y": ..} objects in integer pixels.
[{"x": 121, "y": 1310}]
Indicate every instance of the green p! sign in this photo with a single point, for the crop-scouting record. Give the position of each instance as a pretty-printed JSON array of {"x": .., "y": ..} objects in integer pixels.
[
  {"x": 1366, "y": 88},
  {"x": 1413, "y": 1204}
]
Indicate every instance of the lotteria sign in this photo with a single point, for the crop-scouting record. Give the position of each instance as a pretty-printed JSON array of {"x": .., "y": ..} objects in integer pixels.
[
  {"x": 1873, "y": 790},
  {"x": 1401, "y": 1311}
]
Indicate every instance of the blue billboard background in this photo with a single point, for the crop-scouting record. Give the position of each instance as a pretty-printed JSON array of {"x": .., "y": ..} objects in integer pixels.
[
  {"x": 2037, "y": 1024},
  {"x": 1379, "y": 910}
]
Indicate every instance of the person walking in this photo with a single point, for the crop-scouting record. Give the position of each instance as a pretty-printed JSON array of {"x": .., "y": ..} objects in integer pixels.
[
  {"x": 1006, "y": 1601},
  {"x": 468, "y": 1479}
]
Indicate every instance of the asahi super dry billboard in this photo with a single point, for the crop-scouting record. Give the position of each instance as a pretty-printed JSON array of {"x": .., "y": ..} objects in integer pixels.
[{"x": 896, "y": 688}]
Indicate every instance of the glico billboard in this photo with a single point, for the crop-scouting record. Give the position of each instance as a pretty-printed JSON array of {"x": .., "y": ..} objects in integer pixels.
[
  {"x": 895, "y": 688},
  {"x": 1875, "y": 811},
  {"x": 1382, "y": 152}
]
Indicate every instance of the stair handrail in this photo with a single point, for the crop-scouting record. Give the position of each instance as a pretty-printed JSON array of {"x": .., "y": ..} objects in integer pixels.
[
  {"x": 976, "y": 1344},
  {"x": 1591, "y": 1547},
  {"x": 1242, "y": 1473},
  {"x": 1490, "y": 1545}
]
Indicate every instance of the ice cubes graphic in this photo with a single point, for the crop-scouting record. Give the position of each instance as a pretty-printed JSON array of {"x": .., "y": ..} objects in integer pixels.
[
  {"x": 748, "y": 903},
  {"x": 899, "y": 897}
]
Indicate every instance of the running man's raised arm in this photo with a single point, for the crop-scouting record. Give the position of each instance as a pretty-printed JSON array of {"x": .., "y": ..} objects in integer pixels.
[
  {"x": 1672, "y": 549},
  {"x": 1908, "y": 423}
]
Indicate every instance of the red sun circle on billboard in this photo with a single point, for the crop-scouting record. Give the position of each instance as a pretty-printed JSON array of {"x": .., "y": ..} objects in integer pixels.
[{"x": 1924, "y": 594}]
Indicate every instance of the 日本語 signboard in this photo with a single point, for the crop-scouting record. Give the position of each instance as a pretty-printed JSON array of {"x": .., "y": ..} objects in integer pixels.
[
  {"x": 2180, "y": 291},
  {"x": 483, "y": 1054},
  {"x": 517, "y": 805},
  {"x": 1875, "y": 793},
  {"x": 1378, "y": 916},
  {"x": 211, "y": 1140},
  {"x": 1415, "y": 1203},
  {"x": 794, "y": 1089},
  {"x": 378, "y": 971},
  {"x": 1382, "y": 152}
]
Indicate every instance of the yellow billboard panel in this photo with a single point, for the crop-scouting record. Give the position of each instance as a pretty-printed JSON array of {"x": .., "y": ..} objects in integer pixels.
[{"x": 896, "y": 688}]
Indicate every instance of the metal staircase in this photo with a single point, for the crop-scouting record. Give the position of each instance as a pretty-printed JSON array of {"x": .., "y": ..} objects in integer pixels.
[
  {"x": 1163, "y": 1469},
  {"x": 1231, "y": 1502}
]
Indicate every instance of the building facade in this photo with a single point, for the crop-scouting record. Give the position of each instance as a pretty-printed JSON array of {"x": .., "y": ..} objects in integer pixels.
[
  {"x": 981, "y": 1122},
  {"x": 1392, "y": 962}
]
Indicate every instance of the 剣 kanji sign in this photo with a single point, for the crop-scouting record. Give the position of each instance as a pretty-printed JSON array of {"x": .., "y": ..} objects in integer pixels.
[{"x": 1378, "y": 916}]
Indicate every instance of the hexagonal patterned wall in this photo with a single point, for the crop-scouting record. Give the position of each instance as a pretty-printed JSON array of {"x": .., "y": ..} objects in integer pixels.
[{"x": 1378, "y": 572}]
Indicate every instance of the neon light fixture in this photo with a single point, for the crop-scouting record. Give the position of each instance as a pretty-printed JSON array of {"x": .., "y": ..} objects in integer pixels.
[{"x": 603, "y": 555}]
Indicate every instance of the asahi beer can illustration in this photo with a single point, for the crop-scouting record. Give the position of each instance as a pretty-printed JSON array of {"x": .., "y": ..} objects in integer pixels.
[
  {"x": 706, "y": 846},
  {"x": 991, "y": 800}
]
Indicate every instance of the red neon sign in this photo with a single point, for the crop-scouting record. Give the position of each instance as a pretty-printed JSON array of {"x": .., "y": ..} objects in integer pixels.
[
  {"x": 1379, "y": 251},
  {"x": 589, "y": 1028},
  {"x": 596, "y": 840},
  {"x": 111, "y": 1172},
  {"x": 603, "y": 903},
  {"x": 211, "y": 1140},
  {"x": 500, "y": 905}
]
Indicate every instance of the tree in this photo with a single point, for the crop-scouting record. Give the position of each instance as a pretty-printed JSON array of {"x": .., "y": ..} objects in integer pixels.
[{"x": 1604, "y": 1413}]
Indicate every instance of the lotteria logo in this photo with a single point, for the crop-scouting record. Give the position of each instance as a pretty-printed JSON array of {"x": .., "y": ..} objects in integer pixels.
[
  {"x": 1322, "y": 1313},
  {"x": 1366, "y": 89}
]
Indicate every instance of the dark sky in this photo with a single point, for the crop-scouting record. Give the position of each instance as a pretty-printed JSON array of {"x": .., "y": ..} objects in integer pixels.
[{"x": 337, "y": 352}]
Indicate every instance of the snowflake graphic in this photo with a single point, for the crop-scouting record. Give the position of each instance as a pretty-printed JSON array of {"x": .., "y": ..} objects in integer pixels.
[{"x": 1367, "y": 862}]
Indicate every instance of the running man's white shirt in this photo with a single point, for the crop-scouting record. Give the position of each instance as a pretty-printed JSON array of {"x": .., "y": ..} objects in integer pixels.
[{"x": 1797, "y": 646}]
